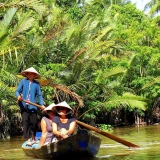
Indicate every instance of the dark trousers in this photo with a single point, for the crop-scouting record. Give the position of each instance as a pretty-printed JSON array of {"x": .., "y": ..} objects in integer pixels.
[{"x": 29, "y": 121}]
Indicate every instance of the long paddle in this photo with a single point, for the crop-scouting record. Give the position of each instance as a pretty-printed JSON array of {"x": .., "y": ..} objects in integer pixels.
[
  {"x": 111, "y": 136},
  {"x": 34, "y": 104},
  {"x": 122, "y": 141}
]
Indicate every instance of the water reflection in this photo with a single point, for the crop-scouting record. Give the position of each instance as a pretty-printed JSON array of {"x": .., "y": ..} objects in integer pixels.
[{"x": 147, "y": 137}]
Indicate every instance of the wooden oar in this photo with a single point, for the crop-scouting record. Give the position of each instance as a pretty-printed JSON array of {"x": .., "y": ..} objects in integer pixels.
[
  {"x": 111, "y": 136},
  {"x": 34, "y": 104},
  {"x": 122, "y": 141}
]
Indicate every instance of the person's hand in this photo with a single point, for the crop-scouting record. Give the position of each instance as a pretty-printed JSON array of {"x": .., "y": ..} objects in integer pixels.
[
  {"x": 42, "y": 108},
  {"x": 20, "y": 98},
  {"x": 64, "y": 132},
  {"x": 62, "y": 135}
]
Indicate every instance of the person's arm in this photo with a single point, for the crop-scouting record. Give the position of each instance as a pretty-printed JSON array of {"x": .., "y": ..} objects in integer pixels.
[
  {"x": 57, "y": 133},
  {"x": 55, "y": 129},
  {"x": 66, "y": 133},
  {"x": 71, "y": 129},
  {"x": 19, "y": 91},
  {"x": 39, "y": 94},
  {"x": 44, "y": 132},
  {"x": 40, "y": 97}
]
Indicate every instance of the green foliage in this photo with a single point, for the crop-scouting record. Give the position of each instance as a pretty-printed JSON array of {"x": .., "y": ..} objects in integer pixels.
[
  {"x": 13, "y": 109},
  {"x": 104, "y": 53},
  {"x": 105, "y": 127},
  {"x": 76, "y": 13},
  {"x": 65, "y": 3},
  {"x": 35, "y": 5}
]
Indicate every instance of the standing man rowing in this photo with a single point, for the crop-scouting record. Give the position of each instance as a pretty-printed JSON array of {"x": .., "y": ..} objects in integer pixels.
[{"x": 30, "y": 89}]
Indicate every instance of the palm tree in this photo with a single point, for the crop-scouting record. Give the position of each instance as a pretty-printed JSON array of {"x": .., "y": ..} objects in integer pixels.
[
  {"x": 88, "y": 72},
  {"x": 154, "y": 6},
  {"x": 14, "y": 24},
  {"x": 79, "y": 59}
]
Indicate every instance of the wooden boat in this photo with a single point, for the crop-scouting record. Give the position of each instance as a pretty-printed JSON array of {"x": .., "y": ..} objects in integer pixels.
[{"x": 84, "y": 143}]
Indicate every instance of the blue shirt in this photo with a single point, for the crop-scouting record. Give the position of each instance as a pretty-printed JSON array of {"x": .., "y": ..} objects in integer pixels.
[{"x": 35, "y": 92}]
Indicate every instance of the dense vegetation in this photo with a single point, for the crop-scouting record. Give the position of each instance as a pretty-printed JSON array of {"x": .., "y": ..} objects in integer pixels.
[{"x": 102, "y": 58}]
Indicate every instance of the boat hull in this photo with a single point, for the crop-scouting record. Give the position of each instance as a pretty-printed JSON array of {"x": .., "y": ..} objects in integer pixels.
[{"x": 83, "y": 143}]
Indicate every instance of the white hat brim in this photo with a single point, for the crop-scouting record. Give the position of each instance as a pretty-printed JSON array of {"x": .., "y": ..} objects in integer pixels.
[
  {"x": 63, "y": 104},
  {"x": 31, "y": 69},
  {"x": 50, "y": 107}
]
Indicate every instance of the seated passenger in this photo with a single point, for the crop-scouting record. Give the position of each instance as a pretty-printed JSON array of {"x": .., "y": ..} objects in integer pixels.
[
  {"x": 64, "y": 124},
  {"x": 46, "y": 125}
]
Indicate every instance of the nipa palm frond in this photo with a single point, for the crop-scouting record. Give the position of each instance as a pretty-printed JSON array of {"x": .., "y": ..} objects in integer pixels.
[
  {"x": 128, "y": 100},
  {"x": 36, "y": 5},
  {"x": 106, "y": 74},
  {"x": 114, "y": 72},
  {"x": 6, "y": 21},
  {"x": 24, "y": 23},
  {"x": 104, "y": 32},
  {"x": 151, "y": 82},
  {"x": 6, "y": 93},
  {"x": 8, "y": 78},
  {"x": 69, "y": 33}
]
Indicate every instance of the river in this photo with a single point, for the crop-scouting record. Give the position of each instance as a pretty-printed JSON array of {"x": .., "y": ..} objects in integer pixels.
[{"x": 147, "y": 137}]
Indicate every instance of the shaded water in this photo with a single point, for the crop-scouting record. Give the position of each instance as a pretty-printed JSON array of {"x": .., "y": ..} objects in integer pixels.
[{"x": 147, "y": 137}]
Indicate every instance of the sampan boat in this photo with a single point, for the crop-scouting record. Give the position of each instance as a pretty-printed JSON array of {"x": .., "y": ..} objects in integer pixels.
[{"x": 83, "y": 143}]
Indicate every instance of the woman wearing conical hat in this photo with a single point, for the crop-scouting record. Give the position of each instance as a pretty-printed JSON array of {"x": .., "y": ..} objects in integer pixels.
[
  {"x": 29, "y": 89},
  {"x": 46, "y": 125},
  {"x": 64, "y": 124}
]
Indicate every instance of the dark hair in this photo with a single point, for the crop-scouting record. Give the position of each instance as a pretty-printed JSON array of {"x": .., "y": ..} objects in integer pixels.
[{"x": 45, "y": 114}]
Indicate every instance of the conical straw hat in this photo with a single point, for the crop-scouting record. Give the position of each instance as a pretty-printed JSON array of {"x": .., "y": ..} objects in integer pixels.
[
  {"x": 50, "y": 107},
  {"x": 63, "y": 104},
  {"x": 31, "y": 69}
]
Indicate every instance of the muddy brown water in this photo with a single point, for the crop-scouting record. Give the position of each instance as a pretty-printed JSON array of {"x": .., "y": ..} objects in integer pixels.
[{"x": 147, "y": 137}]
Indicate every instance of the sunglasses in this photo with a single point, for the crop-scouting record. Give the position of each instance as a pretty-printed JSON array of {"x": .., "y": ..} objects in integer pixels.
[
  {"x": 61, "y": 108},
  {"x": 30, "y": 73}
]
